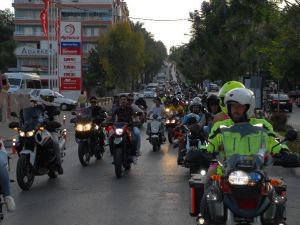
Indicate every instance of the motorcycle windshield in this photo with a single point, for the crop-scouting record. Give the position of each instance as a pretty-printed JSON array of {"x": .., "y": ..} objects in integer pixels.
[
  {"x": 244, "y": 139},
  {"x": 32, "y": 116},
  {"x": 85, "y": 114}
]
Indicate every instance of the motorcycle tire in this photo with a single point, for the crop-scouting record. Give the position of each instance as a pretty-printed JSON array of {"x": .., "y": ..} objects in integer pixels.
[
  {"x": 170, "y": 137},
  {"x": 52, "y": 174},
  {"x": 25, "y": 173},
  {"x": 99, "y": 150},
  {"x": 156, "y": 147},
  {"x": 118, "y": 162},
  {"x": 84, "y": 154},
  {"x": 194, "y": 169}
]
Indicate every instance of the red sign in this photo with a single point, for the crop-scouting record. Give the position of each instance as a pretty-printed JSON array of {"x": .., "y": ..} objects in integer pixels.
[
  {"x": 71, "y": 51},
  {"x": 44, "y": 17},
  {"x": 70, "y": 83}
]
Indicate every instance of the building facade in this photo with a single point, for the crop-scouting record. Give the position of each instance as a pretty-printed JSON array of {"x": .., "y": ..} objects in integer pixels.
[{"x": 37, "y": 53}]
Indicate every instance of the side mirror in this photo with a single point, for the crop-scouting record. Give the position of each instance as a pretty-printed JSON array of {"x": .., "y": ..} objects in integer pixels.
[
  {"x": 73, "y": 120},
  {"x": 13, "y": 114},
  {"x": 155, "y": 116},
  {"x": 13, "y": 125},
  {"x": 74, "y": 113},
  {"x": 291, "y": 135}
]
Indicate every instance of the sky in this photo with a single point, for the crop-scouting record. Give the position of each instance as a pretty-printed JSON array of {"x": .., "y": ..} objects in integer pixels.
[{"x": 170, "y": 33}]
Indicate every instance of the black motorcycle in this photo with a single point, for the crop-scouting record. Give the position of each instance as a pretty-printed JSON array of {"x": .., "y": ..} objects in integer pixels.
[
  {"x": 88, "y": 135},
  {"x": 34, "y": 146}
]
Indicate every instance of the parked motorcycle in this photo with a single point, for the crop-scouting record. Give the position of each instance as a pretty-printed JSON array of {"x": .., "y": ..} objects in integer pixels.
[
  {"x": 155, "y": 130},
  {"x": 243, "y": 193},
  {"x": 89, "y": 136},
  {"x": 34, "y": 146},
  {"x": 122, "y": 147}
]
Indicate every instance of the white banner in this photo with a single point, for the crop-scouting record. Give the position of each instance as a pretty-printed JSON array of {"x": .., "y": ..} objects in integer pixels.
[{"x": 70, "y": 31}]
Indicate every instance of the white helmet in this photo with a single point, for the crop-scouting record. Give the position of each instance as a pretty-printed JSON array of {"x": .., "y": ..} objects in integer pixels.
[
  {"x": 47, "y": 96},
  {"x": 196, "y": 101},
  {"x": 243, "y": 96}
]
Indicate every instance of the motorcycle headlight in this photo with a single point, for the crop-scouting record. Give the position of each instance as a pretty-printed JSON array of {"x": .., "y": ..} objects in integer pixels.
[
  {"x": 167, "y": 110},
  {"x": 30, "y": 133},
  {"x": 173, "y": 121},
  {"x": 83, "y": 127},
  {"x": 167, "y": 121},
  {"x": 119, "y": 131},
  {"x": 96, "y": 127},
  {"x": 238, "y": 178},
  {"x": 22, "y": 134}
]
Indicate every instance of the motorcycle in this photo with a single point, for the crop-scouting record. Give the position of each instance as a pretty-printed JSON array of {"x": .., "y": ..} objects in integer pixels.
[
  {"x": 122, "y": 147},
  {"x": 170, "y": 124},
  {"x": 34, "y": 146},
  {"x": 241, "y": 191},
  {"x": 87, "y": 136},
  {"x": 191, "y": 156},
  {"x": 155, "y": 131}
]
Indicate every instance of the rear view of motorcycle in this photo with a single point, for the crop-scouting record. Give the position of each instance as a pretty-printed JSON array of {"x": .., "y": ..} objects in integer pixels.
[
  {"x": 89, "y": 136},
  {"x": 35, "y": 146},
  {"x": 155, "y": 130}
]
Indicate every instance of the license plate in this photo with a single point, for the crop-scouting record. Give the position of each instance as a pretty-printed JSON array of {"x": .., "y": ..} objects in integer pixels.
[{"x": 282, "y": 103}]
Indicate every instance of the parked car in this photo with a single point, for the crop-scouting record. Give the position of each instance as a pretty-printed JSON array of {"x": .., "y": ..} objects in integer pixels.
[
  {"x": 61, "y": 101},
  {"x": 298, "y": 102},
  {"x": 285, "y": 103},
  {"x": 150, "y": 92}
]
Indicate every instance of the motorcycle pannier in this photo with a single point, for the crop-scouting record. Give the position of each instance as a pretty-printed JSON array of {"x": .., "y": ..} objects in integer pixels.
[{"x": 196, "y": 193}]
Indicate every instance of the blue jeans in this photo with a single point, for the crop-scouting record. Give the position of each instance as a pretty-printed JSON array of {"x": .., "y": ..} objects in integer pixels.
[
  {"x": 137, "y": 138},
  {"x": 4, "y": 176}
]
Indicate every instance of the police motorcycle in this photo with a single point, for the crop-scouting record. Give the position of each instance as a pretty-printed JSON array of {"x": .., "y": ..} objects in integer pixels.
[
  {"x": 87, "y": 136},
  {"x": 34, "y": 146},
  {"x": 241, "y": 192},
  {"x": 192, "y": 156},
  {"x": 172, "y": 120},
  {"x": 155, "y": 130}
]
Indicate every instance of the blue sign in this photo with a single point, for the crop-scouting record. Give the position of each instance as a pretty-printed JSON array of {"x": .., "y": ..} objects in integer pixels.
[{"x": 70, "y": 44}]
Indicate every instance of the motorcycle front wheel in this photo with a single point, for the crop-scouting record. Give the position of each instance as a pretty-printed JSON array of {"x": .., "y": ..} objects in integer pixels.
[
  {"x": 25, "y": 173},
  {"x": 99, "y": 150},
  {"x": 118, "y": 162},
  {"x": 84, "y": 153},
  {"x": 170, "y": 136}
]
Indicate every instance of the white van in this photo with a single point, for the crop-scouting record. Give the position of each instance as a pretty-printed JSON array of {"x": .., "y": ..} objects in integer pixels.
[{"x": 20, "y": 82}]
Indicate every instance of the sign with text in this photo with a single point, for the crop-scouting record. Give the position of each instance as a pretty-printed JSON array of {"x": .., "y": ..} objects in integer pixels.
[
  {"x": 70, "y": 83},
  {"x": 70, "y": 57}
]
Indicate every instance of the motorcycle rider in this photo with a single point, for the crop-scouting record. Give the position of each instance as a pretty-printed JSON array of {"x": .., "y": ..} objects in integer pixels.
[
  {"x": 240, "y": 104},
  {"x": 194, "y": 117},
  {"x": 99, "y": 115},
  {"x": 51, "y": 111},
  {"x": 159, "y": 110},
  {"x": 4, "y": 179},
  {"x": 175, "y": 107},
  {"x": 162, "y": 96},
  {"x": 213, "y": 107},
  {"x": 124, "y": 113},
  {"x": 223, "y": 115},
  {"x": 141, "y": 102}
]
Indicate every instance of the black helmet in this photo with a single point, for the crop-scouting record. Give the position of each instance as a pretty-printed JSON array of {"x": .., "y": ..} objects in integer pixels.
[
  {"x": 212, "y": 100},
  {"x": 93, "y": 99}
]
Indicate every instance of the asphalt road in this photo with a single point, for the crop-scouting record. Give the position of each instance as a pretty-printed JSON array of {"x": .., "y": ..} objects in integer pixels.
[{"x": 154, "y": 192}]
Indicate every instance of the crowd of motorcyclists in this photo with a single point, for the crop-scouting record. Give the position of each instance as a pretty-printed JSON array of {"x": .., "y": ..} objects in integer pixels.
[{"x": 203, "y": 117}]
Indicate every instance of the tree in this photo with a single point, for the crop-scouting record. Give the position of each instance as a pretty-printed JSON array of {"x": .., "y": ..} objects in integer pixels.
[
  {"x": 121, "y": 54},
  {"x": 7, "y": 44}
]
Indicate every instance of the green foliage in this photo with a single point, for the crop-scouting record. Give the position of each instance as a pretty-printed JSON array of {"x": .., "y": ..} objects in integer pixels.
[
  {"x": 231, "y": 38},
  {"x": 7, "y": 44}
]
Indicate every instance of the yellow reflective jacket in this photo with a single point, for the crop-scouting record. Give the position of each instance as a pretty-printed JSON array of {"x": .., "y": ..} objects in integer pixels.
[{"x": 242, "y": 138}]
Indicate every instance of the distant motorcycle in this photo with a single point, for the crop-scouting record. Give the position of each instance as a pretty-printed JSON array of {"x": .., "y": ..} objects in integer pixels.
[
  {"x": 170, "y": 123},
  {"x": 155, "y": 131},
  {"x": 87, "y": 135},
  {"x": 34, "y": 146}
]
